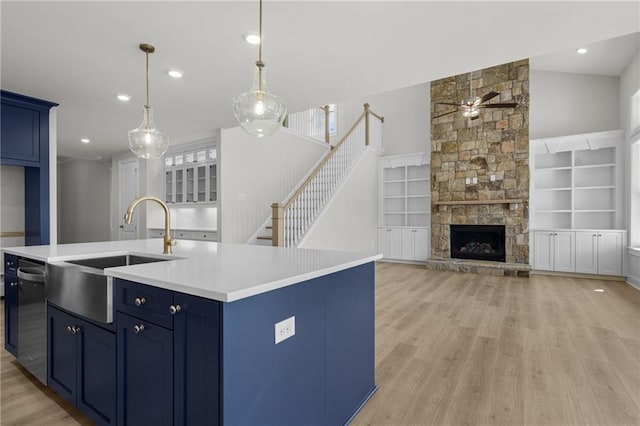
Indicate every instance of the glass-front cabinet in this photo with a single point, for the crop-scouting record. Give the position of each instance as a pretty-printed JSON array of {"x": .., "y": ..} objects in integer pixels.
[{"x": 190, "y": 178}]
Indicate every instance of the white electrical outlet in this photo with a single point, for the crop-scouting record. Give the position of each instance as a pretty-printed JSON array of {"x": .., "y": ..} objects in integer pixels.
[
  {"x": 467, "y": 181},
  {"x": 285, "y": 329},
  {"x": 492, "y": 178},
  {"x": 475, "y": 180}
]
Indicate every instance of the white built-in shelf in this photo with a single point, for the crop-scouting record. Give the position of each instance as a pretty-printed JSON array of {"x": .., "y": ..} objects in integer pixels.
[
  {"x": 406, "y": 191},
  {"x": 576, "y": 181}
]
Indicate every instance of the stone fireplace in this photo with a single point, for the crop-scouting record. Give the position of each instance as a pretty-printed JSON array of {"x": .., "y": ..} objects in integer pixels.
[{"x": 480, "y": 169}]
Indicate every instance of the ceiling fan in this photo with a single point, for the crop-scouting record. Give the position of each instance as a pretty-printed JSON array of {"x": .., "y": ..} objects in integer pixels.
[{"x": 470, "y": 107}]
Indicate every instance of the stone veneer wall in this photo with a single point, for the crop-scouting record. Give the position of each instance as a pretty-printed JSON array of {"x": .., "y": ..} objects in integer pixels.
[{"x": 495, "y": 144}]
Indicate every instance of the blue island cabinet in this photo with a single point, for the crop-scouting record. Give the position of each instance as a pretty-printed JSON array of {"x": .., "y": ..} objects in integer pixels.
[
  {"x": 168, "y": 357},
  {"x": 187, "y": 360},
  {"x": 81, "y": 363},
  {"x": 11, "y": 304}
]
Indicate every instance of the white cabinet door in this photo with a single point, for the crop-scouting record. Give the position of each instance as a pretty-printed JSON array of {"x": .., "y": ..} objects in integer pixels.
[
  {"x": 390, "y": 243},
  {"x": 408, "y": 244},
  {"x": 415, "y": 244},
  {"x": 587, "y": 252},
  {"x": 610, "y": 253},
  {"x": 395, "y": 244},
  {"x": 543, "y": 246},
  {"x": 564, "y": 256},
  {"x": 421, "y": 244}
]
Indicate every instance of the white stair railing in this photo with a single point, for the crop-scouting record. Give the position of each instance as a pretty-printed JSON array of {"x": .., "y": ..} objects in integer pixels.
[
  {"x": 292, "y": 218},
  {"x": 306, "y": 123}
]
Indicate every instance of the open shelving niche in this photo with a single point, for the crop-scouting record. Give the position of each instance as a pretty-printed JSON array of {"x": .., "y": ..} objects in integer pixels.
[
  {"x": 406, "y": 191},
  {"x": 577, "y": 181}
]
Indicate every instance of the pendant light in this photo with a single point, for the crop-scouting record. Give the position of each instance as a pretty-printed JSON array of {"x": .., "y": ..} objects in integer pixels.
[
  {"x": 259, "y": 112},
  {"x": 146, "y": 141}
]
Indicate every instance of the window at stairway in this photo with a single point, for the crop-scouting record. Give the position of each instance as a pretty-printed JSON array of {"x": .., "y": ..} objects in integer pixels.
[{"x": 319, "y": 117}]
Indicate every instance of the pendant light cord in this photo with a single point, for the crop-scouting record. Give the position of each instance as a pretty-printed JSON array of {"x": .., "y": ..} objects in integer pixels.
[
  {"x": 147, "y": 76},
  {"x": 147, "y": 107},
  {"x": 260, "y": 64}
]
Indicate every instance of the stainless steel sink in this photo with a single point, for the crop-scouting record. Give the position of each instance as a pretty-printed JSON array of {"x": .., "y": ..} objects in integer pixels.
[{"x": 81, "y": 287}]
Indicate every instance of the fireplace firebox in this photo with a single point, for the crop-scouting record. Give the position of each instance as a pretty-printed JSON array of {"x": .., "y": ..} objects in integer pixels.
[{"x": 481, "y": 242}]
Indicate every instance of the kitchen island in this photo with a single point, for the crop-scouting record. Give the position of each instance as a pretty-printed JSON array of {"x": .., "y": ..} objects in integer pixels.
[{"x": 193, "y": 339}]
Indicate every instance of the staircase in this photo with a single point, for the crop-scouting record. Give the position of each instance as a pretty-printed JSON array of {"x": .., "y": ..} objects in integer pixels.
[{"x": 292, "y": 218}]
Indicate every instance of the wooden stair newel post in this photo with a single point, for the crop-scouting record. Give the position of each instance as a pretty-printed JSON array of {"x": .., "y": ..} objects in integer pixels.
[
  {"x": 327, "y": 137},
  {"x": 366, "y": 124},
  {"x": 277, "y": 222}
]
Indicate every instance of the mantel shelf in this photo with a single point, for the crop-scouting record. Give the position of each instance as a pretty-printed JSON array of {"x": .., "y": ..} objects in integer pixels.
[{"x": 477, "y": 202}]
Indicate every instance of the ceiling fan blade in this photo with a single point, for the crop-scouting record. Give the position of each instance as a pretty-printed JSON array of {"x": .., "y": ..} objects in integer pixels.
[
  {"x": 447, "y": 103},
  {"x": 488, "y": 96},
  {"x": 501, "y": 105},
  {"x": 446, "y": 113}
]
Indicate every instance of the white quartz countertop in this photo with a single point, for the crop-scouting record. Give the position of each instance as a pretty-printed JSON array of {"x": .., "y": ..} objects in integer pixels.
[{"x": 218, "y": 271}]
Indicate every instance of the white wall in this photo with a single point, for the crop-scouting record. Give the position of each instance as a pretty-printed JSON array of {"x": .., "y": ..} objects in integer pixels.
[
  {"x": 84, "y": 189},
  {"x": 406, "y": 112},
  {"x": 630, "y": 84},
  {"x": 350, "y": 220},
  {"x": 255, "y": 172},
  {"x": 567, "y": 104}
]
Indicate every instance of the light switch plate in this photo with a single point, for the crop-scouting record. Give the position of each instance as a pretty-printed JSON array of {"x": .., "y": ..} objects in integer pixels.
[
  {"x": 475, "y": 180},
  {"x": 467, "y": 181},
  {"x": 285, "y": 329},
  {"x": 492, "y": 178}
]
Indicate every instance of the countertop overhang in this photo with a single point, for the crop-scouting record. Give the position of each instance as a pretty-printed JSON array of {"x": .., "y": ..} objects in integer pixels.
[{"x": 219, "y": 271}]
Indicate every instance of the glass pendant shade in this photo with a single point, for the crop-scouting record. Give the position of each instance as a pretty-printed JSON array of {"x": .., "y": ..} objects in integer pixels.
[
  {"x": 259, "y": 112},
  {"x": 146, "y": 141}
]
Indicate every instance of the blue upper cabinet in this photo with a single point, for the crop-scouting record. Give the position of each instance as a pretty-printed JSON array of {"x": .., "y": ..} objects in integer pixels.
[
  {"x": 20, "y": 134},
  {"x": 24, "y": 141},
  {"x": 24, "y": 130}
]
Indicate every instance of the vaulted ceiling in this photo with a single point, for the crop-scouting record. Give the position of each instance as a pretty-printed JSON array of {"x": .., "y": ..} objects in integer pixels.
[{"x": 81, "y": 54}]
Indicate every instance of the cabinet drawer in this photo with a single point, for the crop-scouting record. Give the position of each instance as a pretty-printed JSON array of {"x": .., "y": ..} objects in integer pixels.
[
  {"x": 154, "y": 233},
  {"x": 10, "y": 264},
  {"x": 145, "y": 302},
  {"x": 184, "y": 235},
  {"x": 205, "y": 236}
]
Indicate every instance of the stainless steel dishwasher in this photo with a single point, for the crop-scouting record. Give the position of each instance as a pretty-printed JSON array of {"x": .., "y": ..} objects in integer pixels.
[{"x": 32, "y": 320}]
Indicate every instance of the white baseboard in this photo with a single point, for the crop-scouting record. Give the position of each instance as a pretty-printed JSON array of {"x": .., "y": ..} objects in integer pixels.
[{"x": 633, "y": 282}]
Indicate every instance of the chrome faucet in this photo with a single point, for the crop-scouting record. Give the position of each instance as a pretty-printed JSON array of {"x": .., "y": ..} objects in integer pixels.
[{"x": 168, "y": 241}]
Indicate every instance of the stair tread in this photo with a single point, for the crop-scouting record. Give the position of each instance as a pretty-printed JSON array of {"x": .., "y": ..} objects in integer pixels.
[{"x": 264, "y": 237}]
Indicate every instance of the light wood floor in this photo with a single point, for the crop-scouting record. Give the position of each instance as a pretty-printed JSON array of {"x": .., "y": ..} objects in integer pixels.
[{"x": 462, "y": 349}]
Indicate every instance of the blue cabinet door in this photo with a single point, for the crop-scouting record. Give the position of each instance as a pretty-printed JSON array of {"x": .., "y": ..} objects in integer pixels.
[
  {"x": 96, "y": 389},
  {"x": 20, "y": 133},
  {"x": 61, "y": 353},
  {"x": 11, "y": 313},
  {"x": 196, "y": 361},
  {"x": 145, "y": 372}
]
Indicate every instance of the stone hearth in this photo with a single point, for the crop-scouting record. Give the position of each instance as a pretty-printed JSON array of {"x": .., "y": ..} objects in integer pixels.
[{"x": 492, "y": 152}]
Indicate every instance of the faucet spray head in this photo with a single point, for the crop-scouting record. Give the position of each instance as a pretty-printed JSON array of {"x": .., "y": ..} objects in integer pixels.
[{"x": 127, "y": 218}]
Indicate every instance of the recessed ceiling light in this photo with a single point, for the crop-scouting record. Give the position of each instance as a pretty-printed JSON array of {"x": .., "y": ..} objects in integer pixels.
[
  {"x": 123, "y": 97},
  {"x": 599, "y": 290},
  {"x": 85, "y": 140},
  {"x": 251, "y": 38},
  {"x": 175, "y": 73},
  {"x": 98, "y": 158},
  {"x": 582, "y": 50}
]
